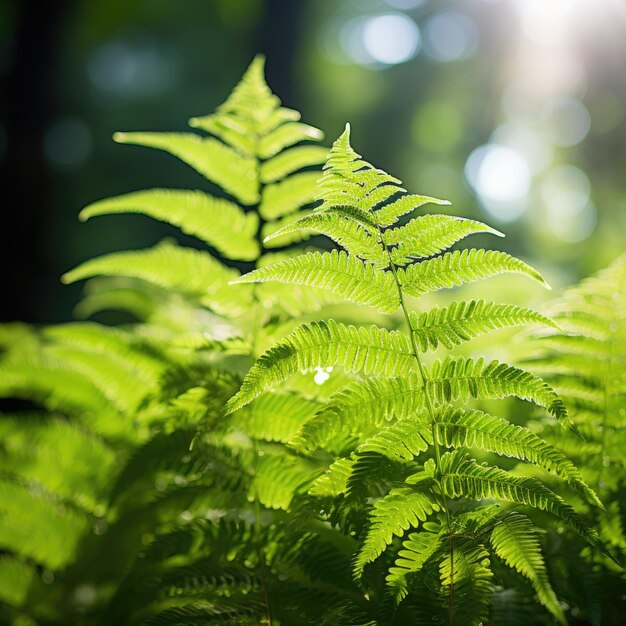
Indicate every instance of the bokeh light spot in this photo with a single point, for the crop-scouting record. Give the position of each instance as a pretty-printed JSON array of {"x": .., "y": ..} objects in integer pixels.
[
  {"x": 567, "y": 121},
  {"x": 391, "y": 38},
  {"x": 450, "y": 36},
  {"x": 565, "y": 192},
  {"x": 501, "y": 177}
]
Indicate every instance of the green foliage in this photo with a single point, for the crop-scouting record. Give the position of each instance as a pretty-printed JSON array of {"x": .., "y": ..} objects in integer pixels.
[{"x": 226, "y": 457}]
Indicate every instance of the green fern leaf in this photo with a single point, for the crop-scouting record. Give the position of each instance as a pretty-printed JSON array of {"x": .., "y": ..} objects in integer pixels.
[
  {"x": 290, "y": 161},
  {"x": 474, "y": 429},
  {"x": 350, "y": 235},
  {"x": 373, "y": 351},
  {"x": 334, "y": 481},
  {"x": 401, "y": 441},
  {"x": 392, "y": 212},
  {"x": 232, "y": 171},
  {"x": 459, "y": 267},
  {"x": 342, "y": 275},
  {"x": 286, "y": 135},
  {"x": 467, "y": 575},
  {"x": 218, "y": 222},
  {"x": 398, "y": 511},
  {"x": 190, "y": 271},
  {"x": 515, "y": 541},
  {"x": 465, "y": 319},
  {"x": 428, "y": 235},
  {"x": 360, "y": 409},
  {"x": 464, "y": 378},
  {"x": 419, "y": 548},
  {"x": 463, "y": 477},
  {"x": 288, "y": 195}
]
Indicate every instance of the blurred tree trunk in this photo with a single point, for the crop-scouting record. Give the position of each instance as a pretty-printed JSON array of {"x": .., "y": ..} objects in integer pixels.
[
  {"x": 278, "y": 36},
  {"x": 28, "y": 189}
]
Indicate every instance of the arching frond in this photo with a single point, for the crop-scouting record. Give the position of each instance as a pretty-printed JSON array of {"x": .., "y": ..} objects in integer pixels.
[
  {"x": 288, "y": 195},
  {"x": 392, "y": 515},
  {"x": 464, "y": 477},
  {"x": 361, "y": 408},
  {"x": 465, "y": 319},
  {"x": 400, "y": 441},
  {"x": 190, "y": 271},
  {"x": 417, "y": 550},
  {"x": 474, "y": 429},
  {"x": 467, "y": 574},
  {"x": 216, "y": 221},
  {"x": 462, "y": 266},
  {"x": 468, "y": 378},
  {"x": 428, "y": 235},
  {"x": 232, "y": 171},
  {"x": 350, "y": 235},
  {"x": 373, "y": 351},
  {"x": 514, "y": 540},
  {"x": 291, "y": 161},
  {"x": 390, "y": 213},
  {"x": 343, "y": 275}
]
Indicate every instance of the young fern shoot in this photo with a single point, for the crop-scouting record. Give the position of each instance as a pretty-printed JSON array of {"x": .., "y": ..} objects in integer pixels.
[{"x": 414, "y": 418}]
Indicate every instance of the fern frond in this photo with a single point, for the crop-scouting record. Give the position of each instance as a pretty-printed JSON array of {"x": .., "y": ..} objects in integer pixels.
[
  {"x": 465, "y": 319},
  {"x": 16, "y": 577},
  {"x": 461, "y": 476},
  {"x": 350, "y": 235},
  {"x": 428, "y": 235},
  {"x": 288, "y": 134},
  {"x": 190, "y": 271},
  {"x": 467, "y": 575},
  {"x": 232, "y": 171},
  {"x": 334, "y": 481},
  {"x": 401, "y": 441},
  {"x": 462, "y": 266},
  {"x": 373, "y": 351},
  {"x": 341, "y": 274},
  {"x": 290, "y": 161},
  {"x": 288, "y": 195},
  {"x": 398, "y": 511},
  {"x": 392, "y": 212},
  {"x": 474, "y": 429},
  {"x": 360, "y": 409},
  {"x": 417, "y": 550},
  {"x": 216, "y": 221},
  {"x": 275, "y": 417},
  {"x": 466, "y": 378},
  {"x": 514, "y": 540}
]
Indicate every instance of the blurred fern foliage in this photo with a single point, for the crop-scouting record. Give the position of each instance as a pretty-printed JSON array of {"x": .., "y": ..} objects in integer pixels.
[{"x": 280, "y": 432}]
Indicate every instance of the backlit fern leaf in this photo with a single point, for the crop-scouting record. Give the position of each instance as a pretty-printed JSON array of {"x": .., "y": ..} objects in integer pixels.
[
  {"x": 465, "y": 319},
  {"x": 168, "y": 266},
  {"x": 468, "y": 378},
  {"x": 514, "y": 540},
  {"x": 468, "y": 573},
  {"x": 428, "y": 235},
  {"x": 373, "y": 351},
  {"x": 462, "y": 266},
  {"x": 342, "y": 275},
  {"x": 216, "y": 221},
  {"x": 475, "y": 429},
  {"x": 461, "y": 476},
  {"x": 392, "y": 515}
]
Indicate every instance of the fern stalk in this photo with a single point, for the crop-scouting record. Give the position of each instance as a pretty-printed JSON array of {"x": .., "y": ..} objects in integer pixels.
[{"x": 431, "y": 414}]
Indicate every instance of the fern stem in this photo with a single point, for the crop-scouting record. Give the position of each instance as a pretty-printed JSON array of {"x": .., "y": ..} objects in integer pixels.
[{"x": 431, "y": 413}]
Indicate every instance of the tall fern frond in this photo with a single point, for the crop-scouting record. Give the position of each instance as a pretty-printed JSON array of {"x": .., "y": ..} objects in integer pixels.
[
  {"x": 342, "y": 275},
  {"x": 514, "y": 540},
  {"x": 457, "y": 268},
  {"x": 218, "y": 222},
  {"x": 392, "y": 515},
  {"x": 462, "y": 476},
  {"x": 465, "y": 319},
  {"x": 373, "y": 351}
]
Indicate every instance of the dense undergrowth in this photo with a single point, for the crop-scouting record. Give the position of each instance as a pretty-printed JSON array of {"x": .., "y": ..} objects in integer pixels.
[{"x": 252, "y": 446}]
